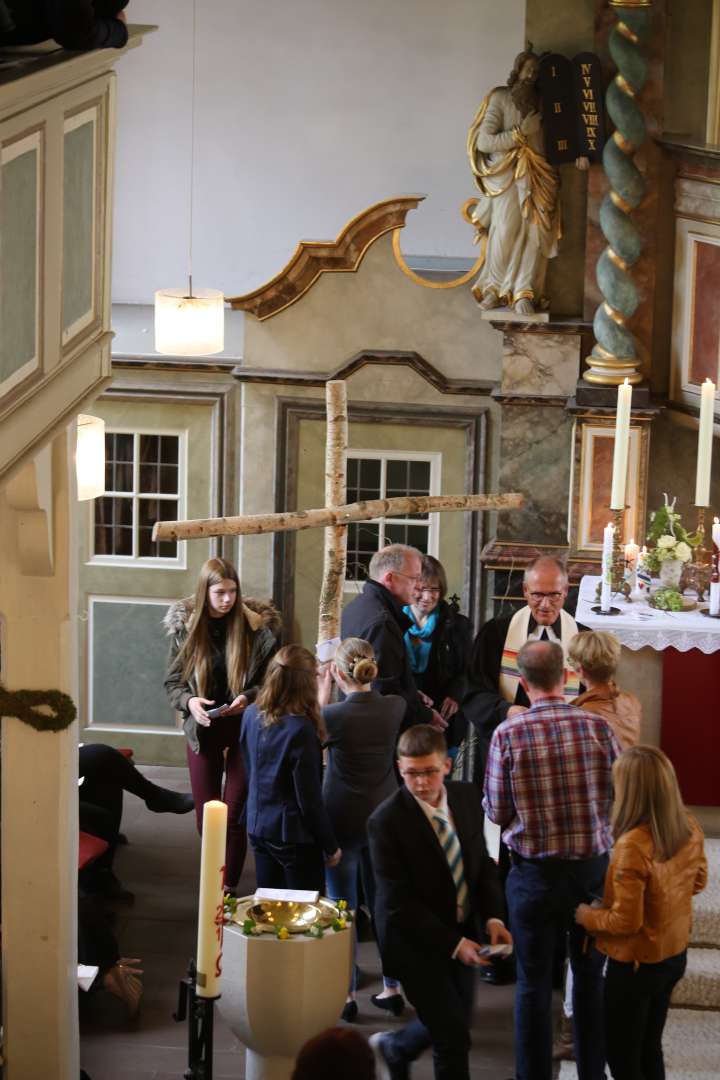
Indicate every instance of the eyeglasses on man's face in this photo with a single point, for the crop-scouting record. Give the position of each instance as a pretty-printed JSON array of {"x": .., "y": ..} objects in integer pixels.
[
  {"x": 553, "y": 597},
  {"x": 409, "y": 577},
  {"x": 417, "y": 774}
]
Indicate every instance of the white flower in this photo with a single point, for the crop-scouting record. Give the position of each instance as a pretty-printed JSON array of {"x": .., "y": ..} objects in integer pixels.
[
  {"x": 682, "y": 551},
  {"x": 666, "y": 541}
]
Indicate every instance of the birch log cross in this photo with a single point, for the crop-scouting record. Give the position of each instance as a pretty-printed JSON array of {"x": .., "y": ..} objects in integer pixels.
[{"x": 334, "y": 517}]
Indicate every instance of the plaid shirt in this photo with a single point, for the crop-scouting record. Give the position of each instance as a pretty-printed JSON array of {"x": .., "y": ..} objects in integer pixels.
[{"x": 548, "y": 783}]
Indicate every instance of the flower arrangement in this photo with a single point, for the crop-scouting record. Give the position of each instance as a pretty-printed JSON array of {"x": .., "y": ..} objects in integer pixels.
[{"x": 671, "y": 540}]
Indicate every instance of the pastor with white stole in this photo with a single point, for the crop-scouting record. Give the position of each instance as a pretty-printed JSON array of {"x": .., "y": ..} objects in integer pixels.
[{"x": 495, "y": 693}]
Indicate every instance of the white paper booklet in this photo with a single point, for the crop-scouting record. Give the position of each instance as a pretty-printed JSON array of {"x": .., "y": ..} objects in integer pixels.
[
  {"x": 297, "y": 896},
  {"x": 86, "y": 975}
]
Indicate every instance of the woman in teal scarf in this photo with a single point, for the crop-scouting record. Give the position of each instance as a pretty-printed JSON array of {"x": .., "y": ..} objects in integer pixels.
[{"x": 438, "y": 644}]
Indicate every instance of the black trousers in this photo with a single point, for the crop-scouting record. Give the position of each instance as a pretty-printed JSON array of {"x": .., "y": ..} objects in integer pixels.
[
  {"x": 636, "y": 1006},
  {"x": 442, "y": 994},
  {"x": 288, "y": 866}
]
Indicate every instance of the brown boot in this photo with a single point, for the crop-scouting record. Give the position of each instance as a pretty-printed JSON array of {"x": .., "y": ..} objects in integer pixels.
[{"x": 563, "y": 1046}]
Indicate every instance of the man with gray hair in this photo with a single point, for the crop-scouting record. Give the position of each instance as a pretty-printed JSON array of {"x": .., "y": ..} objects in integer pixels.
[
  {"x": 548, "y": 786},
  {"x": 377, "y": 616},
  {"x": 496, "y": 692}
]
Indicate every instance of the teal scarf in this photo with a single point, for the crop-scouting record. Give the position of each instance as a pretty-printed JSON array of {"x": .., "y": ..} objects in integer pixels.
[{"x": 418, "y": 641}]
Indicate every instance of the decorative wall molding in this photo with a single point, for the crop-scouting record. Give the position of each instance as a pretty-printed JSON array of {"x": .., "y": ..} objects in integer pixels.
[
  {"x": 312, "y": 258},
  {"x": 368, "y": 358}
]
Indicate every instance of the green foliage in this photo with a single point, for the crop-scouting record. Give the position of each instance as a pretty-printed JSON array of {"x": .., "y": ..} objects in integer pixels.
[{"x": 667, "y": 600}]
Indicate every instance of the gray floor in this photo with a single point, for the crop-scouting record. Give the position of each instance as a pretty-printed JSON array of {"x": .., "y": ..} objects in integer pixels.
[{"x": 160, "y": 866}]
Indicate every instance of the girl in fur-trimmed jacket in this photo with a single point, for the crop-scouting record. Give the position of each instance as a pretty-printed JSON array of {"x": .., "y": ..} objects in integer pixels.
[{"x": 220, "y": 648}]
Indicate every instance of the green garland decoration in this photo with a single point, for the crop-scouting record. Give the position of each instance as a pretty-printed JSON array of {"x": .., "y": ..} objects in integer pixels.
[{"x": 24, "y": 704}]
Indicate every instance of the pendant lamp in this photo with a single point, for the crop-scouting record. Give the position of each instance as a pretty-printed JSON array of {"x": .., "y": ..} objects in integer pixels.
[
  {"x": 90, "y": 457},
  {"x": 187, "y": 322}
]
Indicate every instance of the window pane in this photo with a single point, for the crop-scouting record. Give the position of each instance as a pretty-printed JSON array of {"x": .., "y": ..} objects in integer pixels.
[
  {"x": 169, "y": 446},
  {"x": 415, "y": 535},
  {"x": 363, "y": 542},
  {"x": 149, "y": 479},
  {"x": 168, "y": 479},
  {"x": 118, "y": 462},
  {"x": 397, "y": 478},
  {"x": 123, "y": 446},
  {"x": 370, "y": 473},
  {"x": 149, "y": 449},
  {"x": 150, "y": 511},
  {"x": 419, "y": 477},
  {"x": 352, "y": 472}
]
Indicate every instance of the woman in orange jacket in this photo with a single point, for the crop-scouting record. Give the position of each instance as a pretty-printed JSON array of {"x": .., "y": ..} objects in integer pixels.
[{"x": 643, "y": 924}]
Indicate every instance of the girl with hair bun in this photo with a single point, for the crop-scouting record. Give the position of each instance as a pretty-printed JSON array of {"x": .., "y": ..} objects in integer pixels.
[{"x": 362, "y": 732}]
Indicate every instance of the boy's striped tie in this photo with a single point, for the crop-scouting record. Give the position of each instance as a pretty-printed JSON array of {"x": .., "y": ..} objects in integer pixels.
[{"x": 451, "y": 846}]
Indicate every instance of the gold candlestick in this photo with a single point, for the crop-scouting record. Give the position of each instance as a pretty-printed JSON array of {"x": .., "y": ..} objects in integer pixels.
[
  {"x": 619, "y": 584},
  {"x": 696, "y": 573}
]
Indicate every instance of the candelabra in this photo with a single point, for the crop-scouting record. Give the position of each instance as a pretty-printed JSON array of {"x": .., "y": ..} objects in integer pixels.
[
  {"x": 696, "y": 573},
  {"x": 199, "y": 1013}
]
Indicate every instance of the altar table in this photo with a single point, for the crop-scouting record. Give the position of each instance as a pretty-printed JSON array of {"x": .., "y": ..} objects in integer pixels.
[{"x": 673, "y": 665}]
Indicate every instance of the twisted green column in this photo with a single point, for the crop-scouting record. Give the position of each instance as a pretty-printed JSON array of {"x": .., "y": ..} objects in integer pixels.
[{"x": 614, "y": 356}]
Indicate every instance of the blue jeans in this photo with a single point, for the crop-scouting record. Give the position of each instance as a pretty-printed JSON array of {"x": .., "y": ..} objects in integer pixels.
[
  {"x": 341, "y": 882},
  {"x": 542, "y": 895}
]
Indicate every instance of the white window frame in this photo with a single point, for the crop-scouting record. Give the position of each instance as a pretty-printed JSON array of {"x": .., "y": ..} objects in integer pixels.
[
  {"x": 134, "y": 560},
  {"x": 434, "y": 457}
]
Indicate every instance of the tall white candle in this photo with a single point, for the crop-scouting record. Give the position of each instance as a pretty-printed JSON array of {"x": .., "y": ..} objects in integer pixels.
[
  {"x": 716, "y": 533},
  {"x": 607, "y": 553},
  {"x": 622, "y": 442},
  {"x": 210, "y": 905},
  {"x": 705, "y": 444}
]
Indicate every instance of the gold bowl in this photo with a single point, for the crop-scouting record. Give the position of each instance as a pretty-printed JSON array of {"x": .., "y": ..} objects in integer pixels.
[{"x": 272, "y": 915}]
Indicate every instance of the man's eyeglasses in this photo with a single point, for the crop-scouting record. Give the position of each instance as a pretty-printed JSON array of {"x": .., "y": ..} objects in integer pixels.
[
  {"x": 415, "y": 774},
  {"x": 552, "y": 596},
  {"x": 410, "y": 577}
]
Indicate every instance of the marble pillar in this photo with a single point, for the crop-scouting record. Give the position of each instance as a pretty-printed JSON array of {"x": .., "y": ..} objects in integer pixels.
[{"x": 540, "y": 369}]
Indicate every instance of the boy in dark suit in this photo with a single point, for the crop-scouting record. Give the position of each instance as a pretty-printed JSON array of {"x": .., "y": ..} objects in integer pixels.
[{"x": 438, "y": 896}]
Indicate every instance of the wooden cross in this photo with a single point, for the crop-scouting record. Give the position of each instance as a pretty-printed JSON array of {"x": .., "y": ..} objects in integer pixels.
[{"x": 335, "y": 516}]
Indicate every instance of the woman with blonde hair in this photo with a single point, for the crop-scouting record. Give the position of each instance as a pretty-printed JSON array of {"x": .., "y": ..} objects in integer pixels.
[
  {"x": 220, "y": 647},
  {"x": 289, "y": 828},
  {"x": 595, "y": 654},
  {"x": 362, "y": 732},
  {"x": 643, "y": 924}
]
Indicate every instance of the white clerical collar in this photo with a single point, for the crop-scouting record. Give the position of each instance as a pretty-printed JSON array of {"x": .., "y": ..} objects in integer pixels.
[{"x": 537, "y": 634}]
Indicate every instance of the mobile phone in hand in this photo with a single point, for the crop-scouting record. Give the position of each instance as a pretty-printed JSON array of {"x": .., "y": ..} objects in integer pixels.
[
  {"x": 213, "y": 713},
  {"x": 492, "y": 951}
]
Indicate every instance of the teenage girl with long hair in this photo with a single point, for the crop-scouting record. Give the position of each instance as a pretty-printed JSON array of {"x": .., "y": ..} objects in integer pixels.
[
  {"x": 643, "y": 924},
  {"x": 288, "y": 825},
  {"x": 220, "y": 648}
]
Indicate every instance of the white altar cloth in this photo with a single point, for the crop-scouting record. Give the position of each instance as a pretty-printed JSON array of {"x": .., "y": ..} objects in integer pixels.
[{"x": 638, "y": 625}]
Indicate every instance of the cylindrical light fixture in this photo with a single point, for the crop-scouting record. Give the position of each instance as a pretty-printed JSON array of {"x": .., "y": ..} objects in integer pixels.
[
  {"x": 189, "y": 325},
  {"x": 90, "y": 457}
]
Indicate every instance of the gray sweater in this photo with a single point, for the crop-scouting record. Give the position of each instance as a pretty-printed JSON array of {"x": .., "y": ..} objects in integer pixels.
[{"x": 362, "y": 735}]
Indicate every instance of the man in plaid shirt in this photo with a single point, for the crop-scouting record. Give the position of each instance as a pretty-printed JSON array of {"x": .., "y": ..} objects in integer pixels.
[{"x": 548, "y": 786}]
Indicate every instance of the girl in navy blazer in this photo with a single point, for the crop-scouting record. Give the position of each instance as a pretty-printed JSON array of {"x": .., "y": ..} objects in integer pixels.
[{"x": 288, "y": 826}]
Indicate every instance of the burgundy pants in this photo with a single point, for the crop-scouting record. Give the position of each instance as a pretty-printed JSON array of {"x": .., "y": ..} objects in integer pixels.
[{"x": 206, "y": 779}]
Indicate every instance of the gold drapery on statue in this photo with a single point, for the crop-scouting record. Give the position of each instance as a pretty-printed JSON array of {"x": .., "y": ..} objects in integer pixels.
[{"x": 517, "y": 216}]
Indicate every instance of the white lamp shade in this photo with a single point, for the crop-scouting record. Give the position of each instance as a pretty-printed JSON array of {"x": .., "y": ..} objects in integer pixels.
[
  {"x": 189, "y": 325},
  {"x": 90, "y": 457}
]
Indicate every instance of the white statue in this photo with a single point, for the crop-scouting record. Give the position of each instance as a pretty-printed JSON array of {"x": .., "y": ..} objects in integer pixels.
[{"x": 518, "y": 213}]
